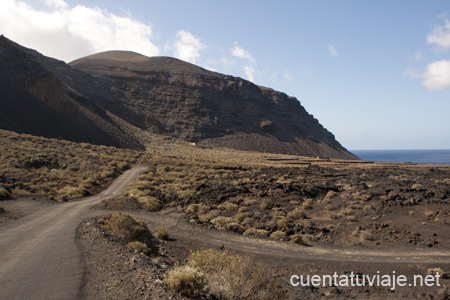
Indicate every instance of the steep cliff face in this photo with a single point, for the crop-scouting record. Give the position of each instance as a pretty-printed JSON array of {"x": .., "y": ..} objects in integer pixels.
[
  {"x": 43, "y": 96},
  {"x": 112, "y": 97},
  {"x": 185, "y": 101}
]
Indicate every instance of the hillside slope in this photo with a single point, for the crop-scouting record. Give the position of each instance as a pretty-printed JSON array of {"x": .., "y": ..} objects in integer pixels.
[
  {"x": 116, "y": 97},
  {"x": 46, "y": 97},
  {"x": 180, "y": 99}
]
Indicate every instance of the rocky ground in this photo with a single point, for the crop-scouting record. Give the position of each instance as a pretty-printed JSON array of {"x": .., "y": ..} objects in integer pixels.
[
  {"x": 349, "y": 205},
  {"x": 351, "y": 217},
  {"x": 113, "y": 271}
]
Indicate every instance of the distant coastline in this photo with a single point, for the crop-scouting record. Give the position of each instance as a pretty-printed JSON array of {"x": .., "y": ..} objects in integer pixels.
[{"x": 413, "y": 156}]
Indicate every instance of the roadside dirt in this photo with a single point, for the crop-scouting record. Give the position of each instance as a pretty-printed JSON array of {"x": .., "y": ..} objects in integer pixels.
[
  {"x": 106, "y": 269},
  {"x": 286, "y": 259}
]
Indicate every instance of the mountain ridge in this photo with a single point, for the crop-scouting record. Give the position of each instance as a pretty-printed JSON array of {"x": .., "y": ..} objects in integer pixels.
[{"x": 114, "y": 97}]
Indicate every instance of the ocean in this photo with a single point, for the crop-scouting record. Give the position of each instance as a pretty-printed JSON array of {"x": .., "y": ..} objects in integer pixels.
[{"x": 414, "y": 156}]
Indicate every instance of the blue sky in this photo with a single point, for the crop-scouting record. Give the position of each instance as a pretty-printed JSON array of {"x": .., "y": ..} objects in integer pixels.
[{"x": 375, "y": 73}]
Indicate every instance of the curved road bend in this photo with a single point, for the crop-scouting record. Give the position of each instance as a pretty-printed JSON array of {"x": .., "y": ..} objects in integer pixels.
[
  {"x": 39, "y": 258},
  {"x": 184, "y": 231}
]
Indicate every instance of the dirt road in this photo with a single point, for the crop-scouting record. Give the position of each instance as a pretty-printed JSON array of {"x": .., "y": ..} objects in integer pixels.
[
  {"x": 39, "y": 258},
  {"x": 263, "y": 247}
]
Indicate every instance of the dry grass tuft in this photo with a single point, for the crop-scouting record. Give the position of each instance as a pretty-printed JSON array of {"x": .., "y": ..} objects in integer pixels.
[
  {"x": 228, "y": 276},
  {"x": 186, "y": 280},
  {"x": 161, "y": 233},
  {"x": 129, "y": 230},
  {"x": 4, "y": 194},
  {"x": 39, "y": 166}
]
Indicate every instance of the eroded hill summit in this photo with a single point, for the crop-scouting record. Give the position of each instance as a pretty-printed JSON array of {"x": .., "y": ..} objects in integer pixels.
[{"x": 114, "y": 97}]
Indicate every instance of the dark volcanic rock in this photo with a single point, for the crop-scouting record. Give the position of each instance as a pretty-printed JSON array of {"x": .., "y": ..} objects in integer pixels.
[
  {"x": 43, "y": 96},
  {"x": 109, "y": 98},
  {"x": 185, "y": 101}
]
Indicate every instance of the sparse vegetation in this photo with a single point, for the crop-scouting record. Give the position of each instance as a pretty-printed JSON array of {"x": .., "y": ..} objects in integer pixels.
[
  {"x": 186, "y": 280},
  {"x": 2, "y": 209},
  {"x": 256, "y": 232},
  {"x": 32, "y": 165},
  {"x": 132, "y": 232},
  {"x": 4, "y": 194},
  {"x": 161, "y": 233},
  {"x": 226, "y": 275}
]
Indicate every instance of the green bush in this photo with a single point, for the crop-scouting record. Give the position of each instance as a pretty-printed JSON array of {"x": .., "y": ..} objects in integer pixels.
[{"x": 186, "y": 280}]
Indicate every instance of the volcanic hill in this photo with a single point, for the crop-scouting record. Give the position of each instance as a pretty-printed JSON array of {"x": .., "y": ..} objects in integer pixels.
[{"x": 115, "y": 97}]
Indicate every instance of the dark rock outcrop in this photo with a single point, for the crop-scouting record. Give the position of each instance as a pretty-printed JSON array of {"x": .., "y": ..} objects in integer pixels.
[
  {"x": 182, "y": 100},
  {"x": 111, "y": 97}
]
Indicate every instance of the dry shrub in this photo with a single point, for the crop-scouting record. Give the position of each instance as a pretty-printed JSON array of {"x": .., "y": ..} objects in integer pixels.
[
  {"x": 256, "y": 232},
  {"x": 263, "y": 205},
  {"x": 227, "y": 206},
  {"x": 211, "y": 260},
  {"x": 244, "y": 278},
  {"x": 282, "y": 223},
  {"x": 297, "y": 213},
  {"x": 434, "y": 271},
  {"x": 278, "y": 214},
  {"x": 351, "y": 219},
  {"x": 221, "y": 221},
  {"x": 307, "y": 203},
  {"x": 231, "y": 276},
  {"x": 128, "y": 230},
  {"x": 209, "y": 215},
  {"x": 240, "y": 216},
  {"x": 199, "y": 209},
  {"x": 73, "y": 192},
  {"x": 161, "y": 233},
  {"x": 249, "y": 202},
  {"x": 302, "y": 239},
  {"x": 139, "y": 247},
  {"x": 367, "y": 236},
  {"x": 278, "y": 235},
  {"x": 2, "y": 209},
  {"x": 4, "y": 194},
  {"x": 186, "y": 280},
  {"x": 150, "y": 203}
]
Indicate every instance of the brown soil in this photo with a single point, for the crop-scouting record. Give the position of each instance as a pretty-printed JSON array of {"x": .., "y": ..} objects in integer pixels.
[{"x": 107, "y": 260}]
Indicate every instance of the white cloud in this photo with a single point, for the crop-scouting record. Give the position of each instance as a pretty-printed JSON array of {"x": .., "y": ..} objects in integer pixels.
[
  {"x": 69, "y": 33},
  {"x": 249, "y": 67},
  {"x": 249, "y": 72},
  {"x": 440, "y": 36},
  {"x": 417, "y": 55},
  {"x": 333, "y": 51},
  {"x": 412, "y": 73},
  {"x": 288, "y": 77},
  {"x": 187, "y": 46},
  {"x": 240, "y": 52},
  {"x": 437, "y": 75},
  {"x": 56, "y": 3}
]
